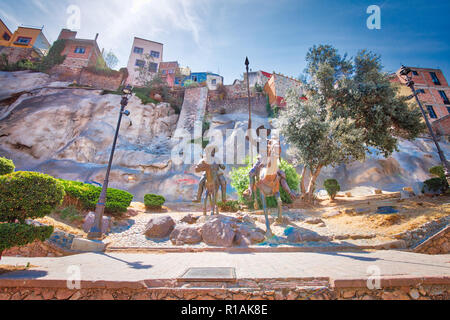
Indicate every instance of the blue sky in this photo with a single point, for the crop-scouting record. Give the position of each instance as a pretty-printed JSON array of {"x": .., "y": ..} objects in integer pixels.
[{"x": 217, "y": 35}]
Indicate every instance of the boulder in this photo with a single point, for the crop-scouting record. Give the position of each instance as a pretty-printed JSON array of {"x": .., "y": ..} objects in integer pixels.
[
  {"x": 89, "y": 222},
  {"x": 189, "y": 219},
  {"x": 186, "y": 234},
  {"x": 159, "y": 227},
  {"x": 298, "y": 235},
  {"x": 219, "y": 231},
  {"x": 313, "y": 220},
  {"x": 248, "y": 234}
]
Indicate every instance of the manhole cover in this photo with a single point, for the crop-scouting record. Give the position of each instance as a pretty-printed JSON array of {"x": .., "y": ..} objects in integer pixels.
[
  {"x": 387, "y": 210},
  {"x": 209, "y": 274}
]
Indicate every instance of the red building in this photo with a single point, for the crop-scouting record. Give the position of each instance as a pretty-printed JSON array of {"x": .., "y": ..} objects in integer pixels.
[
  {"x": 170, "y": 72},
  {"x": 79, "y": 53},
  {"x": 434, "y": 92}
]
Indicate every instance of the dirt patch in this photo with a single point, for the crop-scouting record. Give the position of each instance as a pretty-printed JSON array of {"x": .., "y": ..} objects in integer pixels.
[{"x": 7, "y": 269}]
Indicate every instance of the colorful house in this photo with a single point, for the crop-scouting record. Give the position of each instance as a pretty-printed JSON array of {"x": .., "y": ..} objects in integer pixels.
[
  {"x": 433, "y": 89},
  {"x": 80, "y": 53},
  {"x": 5, "y": 34},
  {"x": 28, "y": 37},
  {"x": 211, "y": 80},
  {"x": 142, "y": 49},
  {"x": 170, "y": 72},
  {"x": 278, "y": 86}
]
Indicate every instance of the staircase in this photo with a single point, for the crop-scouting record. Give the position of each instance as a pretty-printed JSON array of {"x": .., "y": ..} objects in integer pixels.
[{"x": 193, "y": 110}]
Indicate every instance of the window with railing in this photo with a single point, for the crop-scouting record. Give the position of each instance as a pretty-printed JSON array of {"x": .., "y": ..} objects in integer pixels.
[
  {"x": 154, "y": 54},
  {"x": 444, "y": 97},
  {"x": 434, "y": 78},
  {"x": 431, "y": 112},
  {"x": 6, "y": 36},
  {"x": 139, "y": 63},
  {"x": 80, "y": 50}
]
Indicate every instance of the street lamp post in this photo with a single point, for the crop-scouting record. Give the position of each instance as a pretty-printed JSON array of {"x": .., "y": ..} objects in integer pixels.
[
  {"x": 96, "y": 230},
  {"x": 405, "y": 73},
  {"x": 250, "y": 140}
]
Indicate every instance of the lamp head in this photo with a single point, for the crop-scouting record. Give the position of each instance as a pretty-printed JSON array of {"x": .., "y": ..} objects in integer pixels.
[
  {"x": 127, "y": 90},
  {"x": 405, "y": 71},
  {"x": 246, "y": 61}
]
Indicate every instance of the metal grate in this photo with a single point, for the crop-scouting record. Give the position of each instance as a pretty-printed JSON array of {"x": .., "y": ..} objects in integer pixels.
[{"x": 209, "y": 274}]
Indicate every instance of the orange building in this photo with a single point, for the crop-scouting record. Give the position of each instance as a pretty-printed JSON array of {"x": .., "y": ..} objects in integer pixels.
[
  {"x": 433, "y": 89},
  {"x": 277, "y": 87},
  {"x": 28, "y": 37},
  {"x": 5, "y": 34}
]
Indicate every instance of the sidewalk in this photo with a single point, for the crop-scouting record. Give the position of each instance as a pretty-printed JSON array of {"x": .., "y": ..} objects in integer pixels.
[{"x": 122, "y": 267}]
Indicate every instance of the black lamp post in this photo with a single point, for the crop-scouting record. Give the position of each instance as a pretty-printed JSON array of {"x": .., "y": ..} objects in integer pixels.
[
  {"x": 96, "y": 230},
  {"x": 405, "y": 72},
  {"x": 247, "y": 63}
]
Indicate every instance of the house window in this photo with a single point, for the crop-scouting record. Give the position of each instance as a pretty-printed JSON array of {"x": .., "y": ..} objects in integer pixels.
[
  {"x": 154, "y": 54},
  {"x": 23, "y": 40},
  {"x": 420, "y": 91},
  {"x": 213, "y": 81},
  {"x": 431, "y": 112},
  {"x": 194, "y": 78},
  {"x": 415, "y": 73},
  {"x": 164, "y": 72},
  {"x": 80, "y": 50},
  {"x": 139, "y": 63},
  {"x": 153, "y": 67},
  {"x": 6, "y": 36},
  {"x": 444, "y": 97},
  {"x": 171, "y": 71},
  {"x": 435, "y": 78},
  {"x": 138, "y": 50}
]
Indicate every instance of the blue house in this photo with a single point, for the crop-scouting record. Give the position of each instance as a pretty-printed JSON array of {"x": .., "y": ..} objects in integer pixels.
[{"x": 212, "y": 80}]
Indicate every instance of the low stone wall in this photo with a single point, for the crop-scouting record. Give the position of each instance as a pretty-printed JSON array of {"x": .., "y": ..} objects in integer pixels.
[
  {"x": 287, "y": 289},
  {"x": 34, "y": 250},
  {"x": 103, "y": 81},
  {"x": 437, "y": 244},
  {"x": 238, "y": 105}
]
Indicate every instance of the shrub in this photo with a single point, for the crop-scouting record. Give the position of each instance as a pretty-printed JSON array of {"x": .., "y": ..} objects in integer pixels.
[
  {"x": 153, "y": 201},
  {"x": 6, "y": 166},
  {"x": 435, "y": 185},
  {"x": 54, "y": 56},
  {"x": 28, "y": 195},
  {"x": 240, "y": 182},
  {"x": 14, "y": 234},
  {"x": 229, "y": 206},
  {"x": 71, "y": 214},
  {"x": 332, "y": 186},
  {"x": 117, "y": 201},
  {"x": 438, "y": 171}
]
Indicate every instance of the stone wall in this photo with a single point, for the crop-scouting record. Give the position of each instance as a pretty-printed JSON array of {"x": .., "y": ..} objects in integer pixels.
[
  {"x": 437, "y": 244},
  {"x": 102, "y": 81},
  {"x": 16, "y": 54},
  {"x": 442, "y": 126},
  {"x": 269, "y": 290},
  {"x": 239, "y": 105}
]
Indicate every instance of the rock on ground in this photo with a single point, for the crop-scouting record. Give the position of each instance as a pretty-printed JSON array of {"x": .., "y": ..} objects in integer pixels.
[
  {"x": 298, "y": 235},
  {"x": 89, "y": 222},
  {"x": 219, "y": 231},
  {"x": 159, "y": 227},
  {"x": 186, "y": 234}
]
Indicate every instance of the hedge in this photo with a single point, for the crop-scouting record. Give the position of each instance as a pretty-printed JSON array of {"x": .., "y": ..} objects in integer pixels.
[
  {"x": 13, "y": 235},
  {"x": 153, "y": 201},
  {"x": 28, "y": 195},
  {"x": 117, "y": 201},
  {"x": 6, "y": 166}
]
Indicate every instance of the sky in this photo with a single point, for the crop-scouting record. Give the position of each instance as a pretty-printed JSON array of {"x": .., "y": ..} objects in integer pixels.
[{"x": 217, "y": 35}]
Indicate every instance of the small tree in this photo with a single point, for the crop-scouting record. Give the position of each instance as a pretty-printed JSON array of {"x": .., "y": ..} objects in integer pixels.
[
  {"x": 26, "y": 195},
  {"x": 6, "y": 166},
  {"x": 332, "y": 186},
  {"x": 110, "y": 59},
  {"x": 352, "y": 108},
  {"x": 145, "y": 75}
]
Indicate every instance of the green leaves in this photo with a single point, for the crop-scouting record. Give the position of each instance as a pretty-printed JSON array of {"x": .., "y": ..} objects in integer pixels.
[
  {"x": 153, "y": 201},
  {"x": 12, "y": 234},
  {"x": 6, "y": 166},
  {"x": 28, "y": 195}
]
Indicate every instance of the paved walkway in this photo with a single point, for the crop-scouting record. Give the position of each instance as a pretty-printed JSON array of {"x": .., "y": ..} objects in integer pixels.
[{"x": 138, "y": 267}]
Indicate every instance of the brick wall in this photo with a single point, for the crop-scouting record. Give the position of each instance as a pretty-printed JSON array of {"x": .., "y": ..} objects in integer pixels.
[
  {"x": 107, "y": 82},
  {"x": 442, "y": 126},
  {"x": 239, "y": 105}
]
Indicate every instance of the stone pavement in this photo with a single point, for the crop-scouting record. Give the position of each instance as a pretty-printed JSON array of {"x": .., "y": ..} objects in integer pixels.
[{"x": 135, "y": 267}]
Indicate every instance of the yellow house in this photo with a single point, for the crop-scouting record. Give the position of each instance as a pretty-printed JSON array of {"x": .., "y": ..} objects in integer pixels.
[
  {"x": 5, "y": 34},
  {"x": 27, "y": 37}
]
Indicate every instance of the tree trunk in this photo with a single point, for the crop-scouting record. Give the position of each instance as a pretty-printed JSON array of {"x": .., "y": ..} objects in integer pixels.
[
  {"x": 302, "y": 181},
  {"x": 312, "y": 182}
]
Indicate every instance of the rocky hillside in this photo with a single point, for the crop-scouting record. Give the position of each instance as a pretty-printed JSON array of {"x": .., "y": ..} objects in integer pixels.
[{"x": 67, "y": 132}]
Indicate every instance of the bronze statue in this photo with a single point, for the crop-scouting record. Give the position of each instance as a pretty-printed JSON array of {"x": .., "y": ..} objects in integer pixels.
[
  {"x": 267, "y": 178},
  {"x": 212, "y": 183},
  {"x": 222, "y": 185}
]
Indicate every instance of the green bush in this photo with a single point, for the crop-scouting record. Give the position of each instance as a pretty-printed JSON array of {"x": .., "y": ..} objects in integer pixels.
[
  {"x": 6, "y": 166},
  {"x": 332, "y": 186},
  {"x": 438, "y": 171},
  {"x": 71, "y": 214},
  {"x": 240, "y": 182},
  {"x": 435, "y": 185},
  {"x": 13, "y": 235},
  {"x": 153, "y": 201},
  {"x": 28, "y": 195},
  {"x": 229, "y": 206},
  {"x": 117, "y": 201}
]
